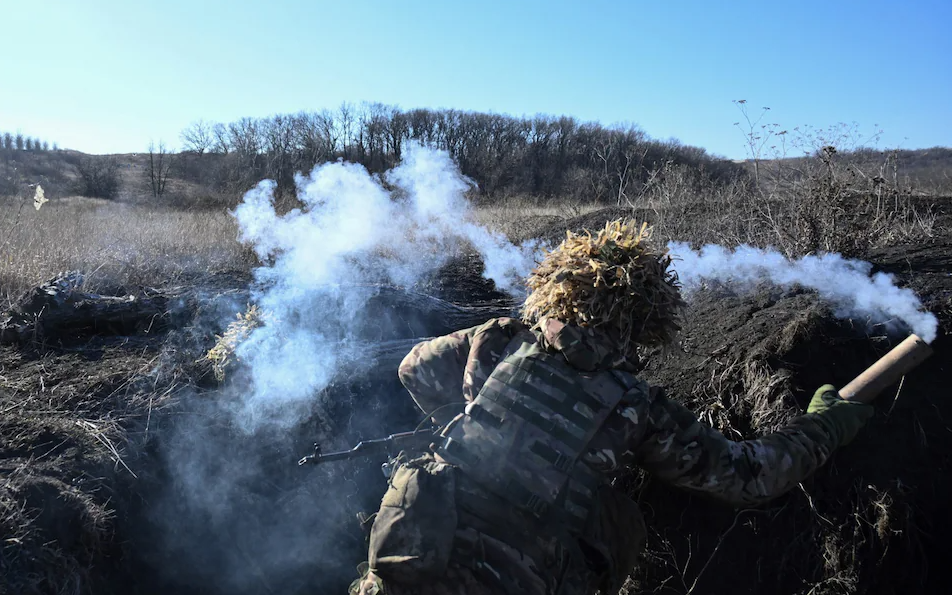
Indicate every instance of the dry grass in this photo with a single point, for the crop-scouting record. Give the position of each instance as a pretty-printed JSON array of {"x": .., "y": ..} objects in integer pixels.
[
  {"x": 114, "y": 244},
  {"x": 222, "y": 354},
  {"x": 54, "y": 571},
  {"x": 521, "y": 218},
  {"x": 820, "y": 205},
  {"x": 824, "y": 204}
]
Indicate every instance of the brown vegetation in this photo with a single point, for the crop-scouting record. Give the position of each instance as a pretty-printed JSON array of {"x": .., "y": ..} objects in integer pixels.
[{"x": 115, "y": 244}]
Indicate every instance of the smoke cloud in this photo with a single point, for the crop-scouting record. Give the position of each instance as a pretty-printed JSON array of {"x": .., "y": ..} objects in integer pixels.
[
  {"x": 354, "y": 232},
  {"x": 845, "y": 283}
]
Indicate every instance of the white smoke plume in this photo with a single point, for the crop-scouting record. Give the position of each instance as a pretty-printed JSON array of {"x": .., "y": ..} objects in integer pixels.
[
  {"x": 845, "y": 283},
  {"x": 324, "y": 259}
]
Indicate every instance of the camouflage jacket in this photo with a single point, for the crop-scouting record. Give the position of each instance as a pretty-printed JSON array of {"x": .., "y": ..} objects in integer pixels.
[{"x": 653, "y": 432}]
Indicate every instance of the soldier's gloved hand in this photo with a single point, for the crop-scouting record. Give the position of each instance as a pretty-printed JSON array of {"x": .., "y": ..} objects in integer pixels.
[{"x": 842, "y": 418}]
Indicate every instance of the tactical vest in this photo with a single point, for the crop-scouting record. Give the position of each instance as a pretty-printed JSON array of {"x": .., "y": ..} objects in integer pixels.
[{"x": 521, "y": 438}]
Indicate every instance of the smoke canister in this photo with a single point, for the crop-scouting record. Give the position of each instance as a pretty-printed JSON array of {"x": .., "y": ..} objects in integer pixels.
[{"x": 887, "y": 370}]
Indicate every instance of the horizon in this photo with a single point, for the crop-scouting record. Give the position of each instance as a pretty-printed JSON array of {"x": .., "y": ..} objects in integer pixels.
[{"x": 116, "y": 77}]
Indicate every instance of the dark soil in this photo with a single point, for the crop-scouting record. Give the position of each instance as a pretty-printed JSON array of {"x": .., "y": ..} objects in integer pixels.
[
  {"x": 210, "y": 510},
  {"x": 62, "y": 414},
  {"x": 188, "y": 503}
]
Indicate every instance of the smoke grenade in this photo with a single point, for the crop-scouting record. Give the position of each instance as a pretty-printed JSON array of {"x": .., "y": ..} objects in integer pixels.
[{"x": 901, "y": 360}]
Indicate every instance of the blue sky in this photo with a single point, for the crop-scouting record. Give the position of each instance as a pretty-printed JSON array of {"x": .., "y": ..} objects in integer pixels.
[{"x": 110, "y": 76}]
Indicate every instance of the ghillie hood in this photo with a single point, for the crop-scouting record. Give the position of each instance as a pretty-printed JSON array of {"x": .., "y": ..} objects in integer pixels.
[{"x": 615, "y": 281}]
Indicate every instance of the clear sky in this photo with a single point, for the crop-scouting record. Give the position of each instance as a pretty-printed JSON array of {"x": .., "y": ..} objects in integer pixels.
[{"x": 109, "y": 76}]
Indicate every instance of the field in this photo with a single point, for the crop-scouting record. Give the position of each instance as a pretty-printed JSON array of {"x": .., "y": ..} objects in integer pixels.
[{"x": 125, "y": 469}]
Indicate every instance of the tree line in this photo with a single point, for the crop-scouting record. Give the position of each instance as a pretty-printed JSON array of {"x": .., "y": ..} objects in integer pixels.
[
  {"x": 541, "y": 156},
  {"x": 20, "y": 142}
]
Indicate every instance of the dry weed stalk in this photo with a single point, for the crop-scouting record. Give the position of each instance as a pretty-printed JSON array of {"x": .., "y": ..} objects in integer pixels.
[
  {"x": 220, "y": 355},
  {"x": 102, "y": 437}
]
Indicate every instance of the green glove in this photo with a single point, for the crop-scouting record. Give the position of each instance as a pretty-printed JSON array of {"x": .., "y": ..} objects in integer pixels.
[{"x": 842, "y": 418}]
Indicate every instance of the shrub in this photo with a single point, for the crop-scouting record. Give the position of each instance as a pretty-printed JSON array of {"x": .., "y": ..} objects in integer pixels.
[{"x": 99, "y": 177}]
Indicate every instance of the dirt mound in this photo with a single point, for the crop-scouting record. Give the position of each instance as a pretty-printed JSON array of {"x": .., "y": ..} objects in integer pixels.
[
  {"x": 461, "y": 281},
  {"x": 925, "y": 268},
  {"x": 64, "y": 422}
]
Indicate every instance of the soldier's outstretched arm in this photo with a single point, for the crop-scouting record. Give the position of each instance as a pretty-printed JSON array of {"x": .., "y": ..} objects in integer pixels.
[
  {"x": 433, "y": 372},
  {"x": 679, "y": 449}
]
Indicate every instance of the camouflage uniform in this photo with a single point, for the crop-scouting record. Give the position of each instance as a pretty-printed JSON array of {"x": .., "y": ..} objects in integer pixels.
[{"x": 497, "y": 548}]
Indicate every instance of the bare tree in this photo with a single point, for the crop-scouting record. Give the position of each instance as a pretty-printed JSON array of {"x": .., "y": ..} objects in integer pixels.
[
  {"x": 345, "y": 118},
  {"x": 160, "y": 166},
  {"x": 279, "y": 150},
  {"x": 46, "y": 146},
  {"x": 222, "y": 144},
  {"x": 7, "y": 141},
  {"x": 329, "y": 130},
  {"x": 245, "y": 137},
  {"x": 420, "y": 124},
  {"x": 198, "y": 137},
  {"x": 398, "y": 130},
  {"x": 19, "y": 141},
  {"x": 315, "y": 137},
  {"x": 28, "y": 144},
  {"x": 246, "y": 141},
  {"x": 374, "y": 121},
  {"x": 621, "y": 153}
]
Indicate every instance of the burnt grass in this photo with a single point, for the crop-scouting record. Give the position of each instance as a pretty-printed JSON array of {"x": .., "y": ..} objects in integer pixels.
[{"x": 94, "y": 432}]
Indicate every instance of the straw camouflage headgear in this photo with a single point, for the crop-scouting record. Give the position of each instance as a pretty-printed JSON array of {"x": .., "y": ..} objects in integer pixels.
[{"x": 615, "y": 281}]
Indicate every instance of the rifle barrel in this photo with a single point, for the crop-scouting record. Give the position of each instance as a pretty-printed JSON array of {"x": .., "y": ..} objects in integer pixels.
[{"x": 371, "y": 447}]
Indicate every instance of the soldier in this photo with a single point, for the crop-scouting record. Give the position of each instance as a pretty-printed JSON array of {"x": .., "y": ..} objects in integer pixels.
[{"x": 516, "y": 496}]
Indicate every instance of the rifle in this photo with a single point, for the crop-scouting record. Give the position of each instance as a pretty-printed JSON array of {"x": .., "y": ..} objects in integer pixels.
[{"x": 394, "y": 443}]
